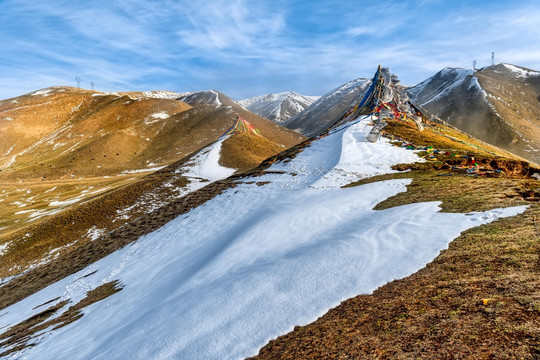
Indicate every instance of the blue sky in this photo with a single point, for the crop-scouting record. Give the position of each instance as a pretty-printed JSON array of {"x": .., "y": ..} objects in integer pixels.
[{"x": 248, "y": 48}]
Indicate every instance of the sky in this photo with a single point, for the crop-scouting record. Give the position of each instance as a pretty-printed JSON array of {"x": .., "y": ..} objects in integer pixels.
[{"x": 249, "y": 48}]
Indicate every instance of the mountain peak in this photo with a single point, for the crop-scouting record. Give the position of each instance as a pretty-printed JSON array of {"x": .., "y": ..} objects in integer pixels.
[{"x": 278, "y": 107}]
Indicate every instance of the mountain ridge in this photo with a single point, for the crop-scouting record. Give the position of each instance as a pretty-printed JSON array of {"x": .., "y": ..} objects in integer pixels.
[
  {"x": 498, "y": 104},
  {"x": 278, "y": 107}
]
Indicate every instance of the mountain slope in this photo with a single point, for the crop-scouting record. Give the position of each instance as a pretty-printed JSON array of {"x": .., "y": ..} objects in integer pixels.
[
  {"x": 213, "y": 98},
  {"x": 273, "y": 248},
  {"x": 278, "y": 107},
  {"x": 72, "y": 151},
  {"x": 497, "y": 104},
  {"x": 207, "y": 262},
  {"x": 324, "y": 112}
]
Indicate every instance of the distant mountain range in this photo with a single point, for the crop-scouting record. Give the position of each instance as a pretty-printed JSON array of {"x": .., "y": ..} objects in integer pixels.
[
  {"x": 499, "y": 104},
  {"x": 278, "y": 107},
  {"x": 328, "y": 108}
]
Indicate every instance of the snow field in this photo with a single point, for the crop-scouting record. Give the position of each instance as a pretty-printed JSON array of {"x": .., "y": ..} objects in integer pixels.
[
  {"x": 205, "y": 164},
  {"x": 249, "y": 265}
]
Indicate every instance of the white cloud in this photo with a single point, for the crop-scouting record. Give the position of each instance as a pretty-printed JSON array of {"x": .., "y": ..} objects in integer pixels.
[
  {"x": 360, "y": 30},
  {"x": 225, "y": 25}
]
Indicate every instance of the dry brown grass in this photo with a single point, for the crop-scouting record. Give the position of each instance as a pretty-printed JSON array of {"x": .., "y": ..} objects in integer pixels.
[
  {"x": 515, "y": 99},
  {"x": 73, "y": 133},
  {"x": 246, "y": 151},
  {"x": 68, "y": 230},
  {"x": 444, "y": 138}
]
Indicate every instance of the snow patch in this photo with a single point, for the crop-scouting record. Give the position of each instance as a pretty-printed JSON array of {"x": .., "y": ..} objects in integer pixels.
[
  {"x": 521, "y": 72},
  {"x": 205, "y": 164},
  {"x": 143, "y": 170},
  {"x": 160, "y": 115},
  {"x": 9, "y": 151},
  {"x": 9, "y": 163},
  {"x": 4, "y": 247},
  {"x": 161, "y": 94},
  {"x": 156, "y": 117},
  {"x": 51, "y": 189},
  {"x": 43, "y": 92},
  {"x": 66, "y": 202},
  {"x": 95, "y": 233}
]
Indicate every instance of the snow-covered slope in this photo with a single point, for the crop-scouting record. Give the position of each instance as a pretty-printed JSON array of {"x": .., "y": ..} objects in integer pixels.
[
  {"x": 324, "y": 112},
  {"x": 276, "y": 251},
  {"x": 441, "y": 85},
  {"x": 521, "y": 71},
  {"x": 278, "y": 107},
  {"x": 498, "y": 104}
]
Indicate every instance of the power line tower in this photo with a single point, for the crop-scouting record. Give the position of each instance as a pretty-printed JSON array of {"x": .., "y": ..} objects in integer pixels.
[
  {"x": 492, "y": 58},
  {"x": 474, "y": 65},
  {"x": 78, "y": 80},
  {"x": 92, "y": 85}
]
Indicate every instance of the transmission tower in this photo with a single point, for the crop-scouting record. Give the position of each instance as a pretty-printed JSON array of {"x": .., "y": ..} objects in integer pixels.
[
  {"x": 78, "y": 80},
  {"x": 92, "y": 85},
  {"x": 474, "y": 65},
  {"x": 492, "y": 58}
]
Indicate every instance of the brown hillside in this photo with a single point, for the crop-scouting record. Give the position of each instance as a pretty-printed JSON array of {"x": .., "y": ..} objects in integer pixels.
[
  {"x": 498, "y": 104},
  {"x": 270, "y": 130},
  {"x": 73, "y": 132},
  {"x": 79, "y": 178},
  {"x": 515, "y": 98}
]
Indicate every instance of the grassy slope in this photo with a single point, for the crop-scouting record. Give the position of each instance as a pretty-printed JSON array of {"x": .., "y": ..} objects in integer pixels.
[
  {"x": 54, "y": 202},
  {"x": 516, "y": 100},
  {"x": 479, "y": 299}
]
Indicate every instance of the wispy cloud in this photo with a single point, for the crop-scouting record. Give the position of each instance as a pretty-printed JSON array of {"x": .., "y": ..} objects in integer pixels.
[
  {"x": 229, "y": 25},
  {"x": 245, "y": 47}
]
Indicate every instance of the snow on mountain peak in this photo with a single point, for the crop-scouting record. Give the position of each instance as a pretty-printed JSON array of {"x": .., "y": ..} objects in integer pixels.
[
  {"x": 520, "y": 71},
  {"x": 207, "y": 97},
  {"x": 440, "y": 84},
  {"x": 322, "y": 113},
  {"x": 278, "y": 107},
  {"x": 161, "y": 94}
]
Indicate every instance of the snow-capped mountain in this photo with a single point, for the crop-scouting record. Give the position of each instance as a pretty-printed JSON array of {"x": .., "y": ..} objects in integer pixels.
[
  {"x": 498, "y": 104},
  {"x": 278, "y": 107},
  {"x": 324, "y": 112}
]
